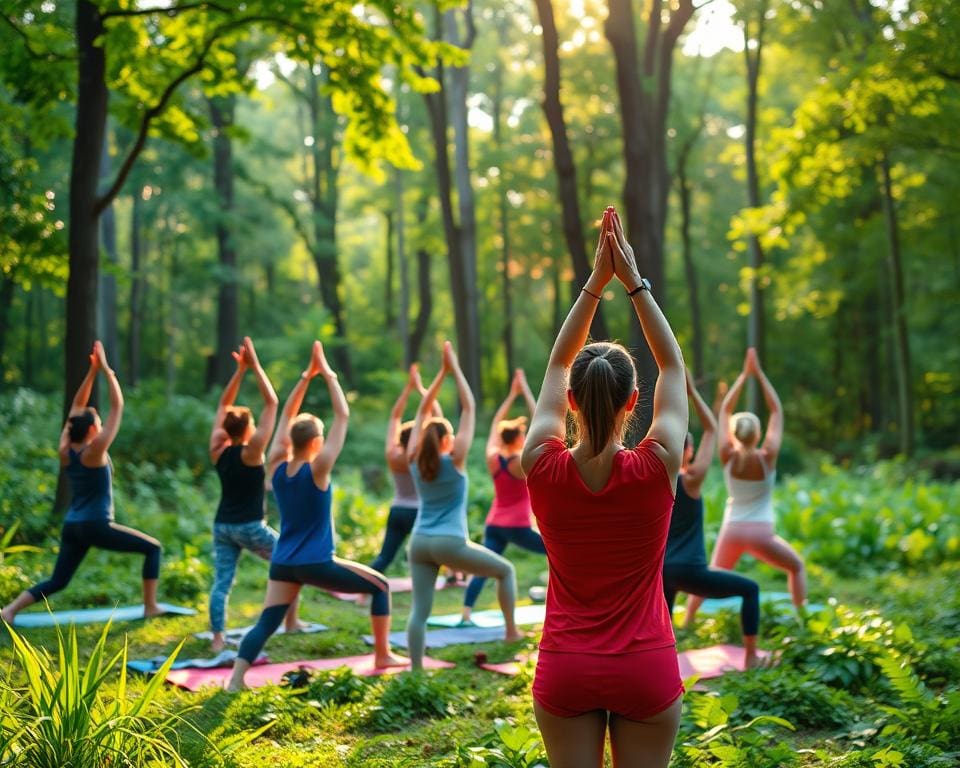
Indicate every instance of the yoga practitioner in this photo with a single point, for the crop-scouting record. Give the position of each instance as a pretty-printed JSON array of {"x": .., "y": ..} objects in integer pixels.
[
  {"x": 403, "y": 508},
  {"x": 685, "y": 563},
  {"x": 510, "y": 516},
  {"x": 437, "y": 461},
  {"x": 300, "y": 463},
  {"x": 84, "y": 443},
  {"x": 750, "y": 469},
  {"x": 607, "y": 656},
  {"x": 236, "y": 450}
]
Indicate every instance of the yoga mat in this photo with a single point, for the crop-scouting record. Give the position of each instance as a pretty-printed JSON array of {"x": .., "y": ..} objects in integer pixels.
[
  {"x": 441, "y": 638},
  {"x": 398, "y": 584},
  {"x": 195, "y": 679},
  {"x": 94, "y": 615},
  {"x": 705, "y": 663},
  {"x": 222, "y": 659},
  {"x": 235, "y": 635},
  {"x": 523, "y": 614},
  {"x": 780, "y": 599}
]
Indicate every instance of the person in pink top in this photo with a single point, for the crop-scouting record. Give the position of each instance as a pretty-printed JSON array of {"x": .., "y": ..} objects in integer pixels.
[
  {"x": 510, "y": 517},
  {"x": 607, "y": 656}
]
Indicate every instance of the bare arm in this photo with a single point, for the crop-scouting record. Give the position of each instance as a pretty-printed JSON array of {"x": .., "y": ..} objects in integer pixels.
[
  {"x": 337, "y": 433},
  {"x": 550, "y": 413},
  {"x": 280, "y": 448},
  {"x": 392, "y": 448},
  {"x": 253, "y": 452},
  {"x": 528, "y": 397},
  {"x": 725, "y": 439},
  {"x": 774, "y": 435},
  {"x": 426, "y": 406},
  {"x": 218, "y": 435},
  {"x": 697, "y": 471},
  {"x": 101, "y": 443},
  {"x": 670, "y": 409},
  {"x": 493, "y": 441},
  {"x": 82, "y": 397},
  {"x": 467, "y": 426}
]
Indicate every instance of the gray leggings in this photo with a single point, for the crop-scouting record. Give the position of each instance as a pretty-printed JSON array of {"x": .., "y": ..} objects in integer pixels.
[{"x": 427, "y": 554}]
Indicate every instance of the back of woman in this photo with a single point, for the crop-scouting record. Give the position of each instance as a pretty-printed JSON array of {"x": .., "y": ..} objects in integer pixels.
[{"x": 605, "y": 550}]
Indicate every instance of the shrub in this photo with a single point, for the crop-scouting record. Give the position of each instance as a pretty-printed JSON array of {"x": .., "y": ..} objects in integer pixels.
[
  {"x": 391, "y": 705},
  {"x": 187, "y": 577}
]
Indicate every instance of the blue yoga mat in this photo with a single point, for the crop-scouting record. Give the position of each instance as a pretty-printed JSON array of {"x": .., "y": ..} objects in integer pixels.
[
  {"x": 780, "y": 599},
  {"x": 222, "y": 659},
  {"x": 235, "y": 634},
  {"x": 93, "y": 615},
  {"x": 524, "y": 614},
  {"x": 441, "y": 638}
]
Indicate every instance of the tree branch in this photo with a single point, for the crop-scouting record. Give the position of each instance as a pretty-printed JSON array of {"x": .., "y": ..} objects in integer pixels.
[
  {"x": 40, "y": 55},
  {"x": 171, "y": 11}
]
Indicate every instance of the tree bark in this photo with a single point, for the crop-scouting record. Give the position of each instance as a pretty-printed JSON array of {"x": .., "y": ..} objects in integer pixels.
[
  {"x": 689, "y": 268},
  {"x": 30, "y": 299},
  {"x": 424, "y": 291},
  {"x": 222, "y": 113},
  {"x": 388, "y": 287},
  {"x": 563, "y": 162},
  {"x": 755, "y": 326},
  {"x": 7, "y": 286},
  {"x": 136, "y": 289},
  {"x": 403, "y": 316},
  {"x": 107, "y": 314},
  {"x": 901, "y": 335},
  {"x": 644, "y": 89}
]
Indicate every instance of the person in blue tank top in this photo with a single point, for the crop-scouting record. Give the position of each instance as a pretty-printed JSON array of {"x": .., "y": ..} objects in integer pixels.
[
  {"x": 437, "y": 463},
  {"x": 685, "y": 562},
  {"x": 299, "y": 465},
  {"x": 237, "y": 446},
  {"x": 84, "y": 443}
]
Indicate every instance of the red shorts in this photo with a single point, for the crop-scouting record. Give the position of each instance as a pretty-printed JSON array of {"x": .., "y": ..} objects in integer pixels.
[{"x": 633, "y": 685}]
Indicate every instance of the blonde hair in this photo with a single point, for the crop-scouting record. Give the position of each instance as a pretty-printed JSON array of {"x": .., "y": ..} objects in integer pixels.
[
  {"x": 303, "y": 429},
  {"x": 745, "y": 427}
]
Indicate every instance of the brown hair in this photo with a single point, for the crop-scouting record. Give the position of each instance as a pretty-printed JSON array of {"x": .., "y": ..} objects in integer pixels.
[
  {"x": 602, "y": 379},
  {"x": 745, "y": 427},
  {"x": 236, "y": 420},
  {"x": 511, "y": 429},
  {"x": 428, "y": 458},
  {"x": 405, "y": 429},
  {"x": 305, "y": 428},
  {"x": 80, "y": 424}
]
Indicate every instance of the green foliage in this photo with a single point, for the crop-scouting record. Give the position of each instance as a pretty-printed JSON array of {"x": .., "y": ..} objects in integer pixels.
[
  {"x": 921, "y": 715},
  {"x": 508, "y": 746},
  {"x": 405, "y": 698},
  {"x": 187, "y": 577}
]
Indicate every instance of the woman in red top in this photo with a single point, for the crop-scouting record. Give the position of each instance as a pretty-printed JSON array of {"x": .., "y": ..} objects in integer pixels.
[{"x": 607, "y": 656}]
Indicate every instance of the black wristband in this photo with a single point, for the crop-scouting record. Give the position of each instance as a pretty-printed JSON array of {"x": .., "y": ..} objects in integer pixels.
[
  {"x": 584, "y": 290},
  {"x": 644, "y": 286}
]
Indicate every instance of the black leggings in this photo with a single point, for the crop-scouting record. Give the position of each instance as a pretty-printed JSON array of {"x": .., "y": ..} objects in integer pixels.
[
  {"x": 77, "y": 538},
  {"x": 399, "y": 524},
  {"x": 336, "y": 575},
  {"x": 712, "y": 582}
]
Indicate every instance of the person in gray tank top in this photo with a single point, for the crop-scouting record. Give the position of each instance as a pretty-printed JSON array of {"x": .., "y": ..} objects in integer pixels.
[
  {"x": 437, "y": 462},
  {"x": 403, "y": 508}
]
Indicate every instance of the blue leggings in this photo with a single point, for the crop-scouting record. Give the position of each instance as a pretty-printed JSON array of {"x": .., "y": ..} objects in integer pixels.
[
  {"x": 496, "y": 538},
  {"x": 714, "y": 582},
  {"x": 336, "y": 575},
  {"x": 399, "y": 524}
]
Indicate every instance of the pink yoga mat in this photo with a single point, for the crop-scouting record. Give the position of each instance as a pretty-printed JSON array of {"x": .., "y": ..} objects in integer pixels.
[
  {"x": 398, "y": 584},
  {"x": 195, "y": 679},
  {"x": 706, "y": 663}
]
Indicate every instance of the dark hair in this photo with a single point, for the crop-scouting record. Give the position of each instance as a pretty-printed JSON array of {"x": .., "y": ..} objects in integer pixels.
[
  {"x": 305, "y": 428},
  {"x": 405, "y": 429},
  {"x": 236, "y": 421},
  {"x": 602, "y": 379},
  {"x": 428, "y": 458},
  {"x": 511, "y": 429},
  {"x": 80, "y": 424}
]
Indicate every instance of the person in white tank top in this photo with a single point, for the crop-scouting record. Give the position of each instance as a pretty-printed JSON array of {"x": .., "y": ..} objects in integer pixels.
[{"x": 750, "y": 469}]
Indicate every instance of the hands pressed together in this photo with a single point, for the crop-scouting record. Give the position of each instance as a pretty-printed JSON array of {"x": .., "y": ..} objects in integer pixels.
[{"x": 614, "y": 256}]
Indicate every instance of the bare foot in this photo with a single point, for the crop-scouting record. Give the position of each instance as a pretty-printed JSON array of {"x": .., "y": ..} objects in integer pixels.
[
  {"x": 298, "y": 627},
  {"x": 511, "y": 637},
  {"x": 152, "y": 610},
  {"x": 218, "y": 644},
  {"x": 7, "y": 617},
  {"x": 751, "y": 660},
  {"x": 390, "y": 660},
  {"x": 233, "y": 687}
]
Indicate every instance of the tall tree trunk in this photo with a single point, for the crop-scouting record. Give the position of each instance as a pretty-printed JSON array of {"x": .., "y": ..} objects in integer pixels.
[
  {"x": 503, "y": 205},
  {"x": 424, "y": 290},
  {"x": 7, "y": 286},
  {"x": 563, "y": 162},
  {"x": 689, "y": 268},
  {"x": 222, "y": 113},
  {"x": 84, "y": 244},
  {"x": 30, "y": 299},
  {"x": 388, "y": 287},
  {"x": 755, "y": 326},
  {"x": 644, "y": 88},
  {"x": 403, "y": 315},
  {"x": 135, "y": 337},
  {"x": 459, "y": 86},
  {"x": 902, "y": 345},
  {"x": 107, "y": 314}
]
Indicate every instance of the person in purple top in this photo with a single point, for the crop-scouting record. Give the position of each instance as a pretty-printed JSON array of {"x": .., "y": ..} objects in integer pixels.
[{"x": 300, "y": 464}]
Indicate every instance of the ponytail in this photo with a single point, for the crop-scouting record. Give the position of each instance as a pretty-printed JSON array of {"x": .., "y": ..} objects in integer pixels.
[
  {"x": 602, "y": 379},
  {"x": 428, "y": 457},
  {"x": 80, "y": 425}
]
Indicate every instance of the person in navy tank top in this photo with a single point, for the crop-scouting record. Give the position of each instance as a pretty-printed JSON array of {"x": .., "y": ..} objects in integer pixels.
[
  {"x": 84, "y": 443},
  {"x": 510, "y": 518},
  {"x": 299, "y": 465},
  {"x": 607, "y": 660},
  {"x": 685, "y": 563},
  {"x": 237, "y": 445}
]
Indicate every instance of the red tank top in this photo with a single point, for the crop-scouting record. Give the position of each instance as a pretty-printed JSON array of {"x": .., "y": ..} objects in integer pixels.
[
  {"x": 605, "y": 551},
  {"x": 511, "y": 500}
]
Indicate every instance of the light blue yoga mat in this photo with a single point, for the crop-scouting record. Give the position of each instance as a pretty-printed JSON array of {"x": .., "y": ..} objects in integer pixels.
[
  {"x": 93, "y": 615},
  {"x": 524, "y": 614},
  {"x": 441, "y": 638},
  {"x": 222, "y": 659},
  {"x": 780, "y": 599},
  {"x": 235, "y": 634}
]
